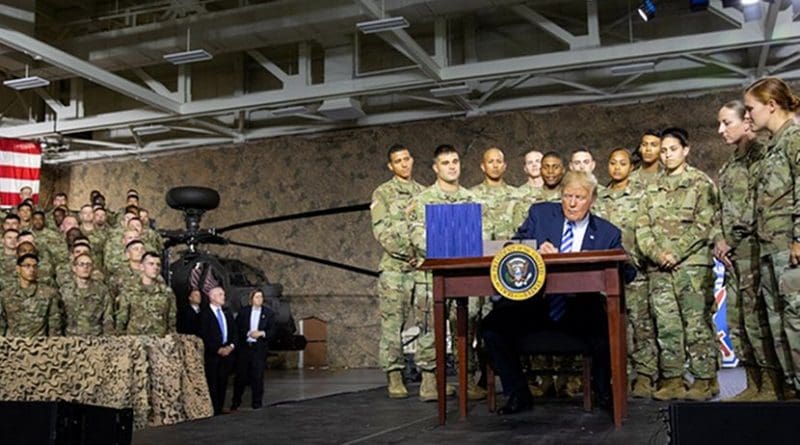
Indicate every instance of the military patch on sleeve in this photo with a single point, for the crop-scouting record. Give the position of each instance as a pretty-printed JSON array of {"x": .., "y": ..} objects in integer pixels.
[{"x": 517, "y": 272}]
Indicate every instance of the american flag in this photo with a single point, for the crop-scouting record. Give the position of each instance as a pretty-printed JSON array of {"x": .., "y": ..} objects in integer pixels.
[{"x": 20, "y": 162}]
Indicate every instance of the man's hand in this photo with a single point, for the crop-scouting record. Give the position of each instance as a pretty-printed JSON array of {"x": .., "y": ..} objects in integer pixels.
[
  {"x": 721, "y": 251},
  {"x": 794, "y": 254},
  {"x": 547, "y": 247},
  {"x": 225, "y": 351},
  {"x": 256, "y": 334},
  {"x": 413, "y": 262},
  {"x": 667, "y": 261}
]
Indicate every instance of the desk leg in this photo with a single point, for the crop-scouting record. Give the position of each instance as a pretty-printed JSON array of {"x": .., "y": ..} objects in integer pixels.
[
  {"x": 439, "y": 340},
  {"x": 616, "y": 339},
  {"x": 462, "y": 318}
]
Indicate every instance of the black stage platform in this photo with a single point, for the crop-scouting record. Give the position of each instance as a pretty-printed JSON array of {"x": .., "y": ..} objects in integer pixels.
[{"x": 369, "y": 417}]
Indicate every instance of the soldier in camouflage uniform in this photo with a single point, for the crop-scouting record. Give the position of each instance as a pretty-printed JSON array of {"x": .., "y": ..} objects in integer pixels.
[
  {"x": 552, "y": 172},
  {"x": 496, "y": 199},
  {"x": 619, "y": 203},
  {"x": 131, "y": 272},
  {"x": 771, "y": 105},
  {"x": 26, "y": 243},
  {"x": 115, "y": 257},
  {"x": 87, "y": 303},
  {"x": 27, "y": 308},
  {"x": 147, "y": 307},
  {"x": 650, "y": 168},
  {"x": 97, "y": 237},
  {"x": 446, "y": 189},
  {"x": 582, "y": 160},
  {"x": 8, "y": 264},
  {"x": 673, "y": 232},
  {"x": 396, "y": 281},
  {"x": 64, "y": 272},
  {"x": 736, "y": 246}
]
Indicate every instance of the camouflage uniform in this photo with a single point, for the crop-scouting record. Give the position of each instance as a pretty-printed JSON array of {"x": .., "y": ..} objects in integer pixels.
[
  {"x": 8, "y": 271},
  {"x": 675, "y": 216},
  {"x": 639, "y": 179},
  {"x": 146, "y": 310},
  {"x": 426, "y": 353},
  {"x": 525, "y": 196},
  {"x": 777, "y": 224},
  {"x": 97, "y": 239},
  {"x": 88, "y": 311},
  {"x": 64, "y": 274},
  {"x": 620, "y": 207},
  {"x": 32, "y": 312},
  {"x": 746, "y": 314},
  {"x": 396, "y": 281}
]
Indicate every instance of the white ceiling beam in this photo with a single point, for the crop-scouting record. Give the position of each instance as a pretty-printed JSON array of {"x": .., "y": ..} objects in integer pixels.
[
  {"x": 784, "y": 63},
  {"x": 576, "y": 85},
  {"x": 404, "y": 43},
  {"x": 153, "y": 84},
  {"x": 78, "y": 67},
  {"x": 611, "y": 55},
  {"x": 770, "y": 20},
  {"x": 708, "y": 60},
  {"x": 546, "y": 24},
  {"x": 61, "y": 110},
  {"x": 269, "y": 65}
]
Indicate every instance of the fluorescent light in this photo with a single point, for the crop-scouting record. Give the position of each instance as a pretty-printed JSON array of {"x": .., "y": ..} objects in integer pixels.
[
  {"x": 25, "y": 83},
  {"x": 634, "y": 68},
  {"x": 195, "y": 55},
  {"x": 749, "y": 2},
  {"x": 381, "y": 25},
  {"x": 289, "y": 111},
  {"x": 150, "y": 129},
  {"x": 453, "y": 90}
]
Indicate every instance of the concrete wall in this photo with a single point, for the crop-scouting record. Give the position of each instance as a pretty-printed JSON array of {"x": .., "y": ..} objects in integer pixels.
[{"x": 294, "y": 174}]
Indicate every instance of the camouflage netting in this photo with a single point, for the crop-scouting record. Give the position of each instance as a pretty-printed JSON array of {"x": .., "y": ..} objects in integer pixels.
[{"x": 161, "y": 378}]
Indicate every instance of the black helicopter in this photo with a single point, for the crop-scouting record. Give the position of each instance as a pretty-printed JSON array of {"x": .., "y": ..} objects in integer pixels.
[{"x": 237, "y": 277}]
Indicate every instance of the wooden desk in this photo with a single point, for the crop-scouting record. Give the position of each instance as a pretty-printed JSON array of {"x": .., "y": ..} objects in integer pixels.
[{"x": 567, "y": 273}]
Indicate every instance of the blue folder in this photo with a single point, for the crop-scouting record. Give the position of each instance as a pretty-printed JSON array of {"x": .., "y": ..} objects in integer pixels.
[{"x": 453, "y": 230}]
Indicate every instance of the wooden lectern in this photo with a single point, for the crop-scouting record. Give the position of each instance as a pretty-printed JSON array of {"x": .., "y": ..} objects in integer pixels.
[{"x": 597, "y": 271}]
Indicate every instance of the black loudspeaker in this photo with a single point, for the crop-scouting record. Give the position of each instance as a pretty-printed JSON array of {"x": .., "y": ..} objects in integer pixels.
[
  {"x": 64, "y": 423},
  {"x": 729, "y": 423}
]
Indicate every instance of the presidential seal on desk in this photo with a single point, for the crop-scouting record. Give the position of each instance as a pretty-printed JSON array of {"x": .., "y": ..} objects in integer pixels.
[{"x": 517, "y": 272}]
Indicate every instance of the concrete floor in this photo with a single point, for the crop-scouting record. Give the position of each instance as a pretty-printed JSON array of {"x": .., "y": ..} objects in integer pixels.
[{"x": 350, "y": 406}]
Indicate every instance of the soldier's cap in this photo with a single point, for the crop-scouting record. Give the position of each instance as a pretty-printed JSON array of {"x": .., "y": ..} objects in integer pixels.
[
  {"x": 133, "y": 243},
  {"x": 26, "y": 256}
]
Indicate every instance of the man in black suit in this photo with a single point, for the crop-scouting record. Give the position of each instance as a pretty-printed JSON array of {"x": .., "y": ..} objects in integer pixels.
[
  {"x": 256, "y": 325},
  {"x": 565, "y": 227},
  {"x": 188, "y": 321},
  {"x": 218, "y": 331}
]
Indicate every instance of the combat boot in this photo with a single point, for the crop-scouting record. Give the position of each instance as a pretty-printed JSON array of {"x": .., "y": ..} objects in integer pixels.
[
  {"x": 397, "y": 389},
  {"x": 789, "y": 393},
  {"x": 767, "y": 390},
  {"x": 474, "y": 392},
  {"x": 670, "y": 389},
  {"x": 427, "y": 389},
  {"x": 642, "y": 387},
  {"x": 751, "y": 390},
  {"x": 700, "y": 390}
]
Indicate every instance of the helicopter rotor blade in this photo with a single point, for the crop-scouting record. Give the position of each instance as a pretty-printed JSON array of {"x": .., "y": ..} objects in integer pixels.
[
  {"x": 309, "y": 214},
  {"x": 313, "y": 259}
]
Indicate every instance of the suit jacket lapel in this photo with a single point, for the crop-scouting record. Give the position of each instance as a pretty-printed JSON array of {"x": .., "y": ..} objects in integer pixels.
[
  {"x": 590, "y": 237},
  {"x": 557, "y": 229}
]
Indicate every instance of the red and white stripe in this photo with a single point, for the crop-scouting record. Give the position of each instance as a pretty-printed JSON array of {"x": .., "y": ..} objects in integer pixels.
[{"x": 20, "y": 163}]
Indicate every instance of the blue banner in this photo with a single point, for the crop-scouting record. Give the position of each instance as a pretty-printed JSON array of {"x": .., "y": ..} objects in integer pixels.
[{"x": 729, "y": 359}]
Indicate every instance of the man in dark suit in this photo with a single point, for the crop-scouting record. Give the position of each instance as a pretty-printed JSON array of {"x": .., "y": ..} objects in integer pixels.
[
  {"x": 256, "y": 325},
  {"x": 565, "y": 227},
  {"x": 188, "y": 321},
  {"x": 218, "y": 331}
]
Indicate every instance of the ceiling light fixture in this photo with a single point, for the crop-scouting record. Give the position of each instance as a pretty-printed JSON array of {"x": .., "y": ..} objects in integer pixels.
[
  {"x": 150, "y": 129},
  {"x": 27, "y": 82},
  {"x": 289, "y": 111},
  {"x": 634, "y": 68},
  {"x": 188, "y": 56},
  {"x": 647, "y": 10},
  {"x": 382, "y": 25},
  {"x": 453, "y": 90}
]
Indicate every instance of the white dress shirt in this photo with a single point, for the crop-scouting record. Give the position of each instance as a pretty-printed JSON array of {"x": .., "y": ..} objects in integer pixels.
[{"x": 255, "y": 316}]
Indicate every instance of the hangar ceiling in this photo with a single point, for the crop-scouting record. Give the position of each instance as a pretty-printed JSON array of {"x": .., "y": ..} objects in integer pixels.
[{"x": 283, "y": 67}]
